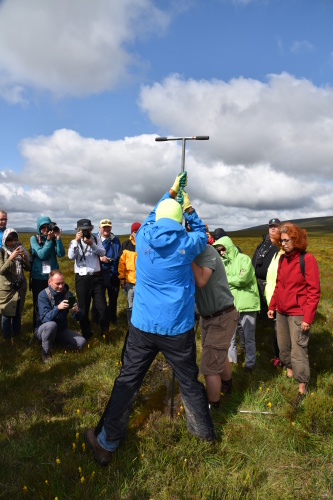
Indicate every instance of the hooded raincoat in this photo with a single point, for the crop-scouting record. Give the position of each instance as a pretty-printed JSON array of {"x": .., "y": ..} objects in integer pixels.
[
  {"x": 8, "y": 276},
  {"x": 241, "y": 277},
  {"x": 47, "y": 250},
  {"x": 164, "y": 292}
]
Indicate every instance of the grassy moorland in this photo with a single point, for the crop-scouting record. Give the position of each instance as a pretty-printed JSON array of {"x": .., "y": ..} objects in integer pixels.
[{"x": 45, "y": 410}]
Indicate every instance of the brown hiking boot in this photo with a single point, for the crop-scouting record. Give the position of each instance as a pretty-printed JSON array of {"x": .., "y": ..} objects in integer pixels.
[{"x": 102, "y": 456}]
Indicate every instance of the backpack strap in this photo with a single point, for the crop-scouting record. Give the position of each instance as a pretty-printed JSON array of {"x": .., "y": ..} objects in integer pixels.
[
  {"x": 301, "y": 261},
  {"x": 50, "y": 296}
]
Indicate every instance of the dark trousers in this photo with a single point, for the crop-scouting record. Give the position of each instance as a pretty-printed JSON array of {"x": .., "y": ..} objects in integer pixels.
[
  {"x": 140, "y": 351},
  {"x": 37, "y": 286},
  {"x": 263, "y": 302},
  {"x": 112, "y": 291},
  {"x": 90, "y": 287}
]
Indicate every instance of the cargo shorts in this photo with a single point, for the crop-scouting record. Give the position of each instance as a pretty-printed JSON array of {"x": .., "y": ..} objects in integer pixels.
[{"x": 216, "y": 335}]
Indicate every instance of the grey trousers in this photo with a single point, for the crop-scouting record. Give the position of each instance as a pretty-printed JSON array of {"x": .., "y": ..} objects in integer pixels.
[
  {"x": 129, "y": 291},
  {"x": 293, "y": 345},
  {"x": 48, "y": 332},
  {"x": 248, "y": 323}
]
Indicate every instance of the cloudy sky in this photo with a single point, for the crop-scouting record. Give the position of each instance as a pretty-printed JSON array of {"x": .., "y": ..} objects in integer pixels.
[{"x": 86, "y": 86}]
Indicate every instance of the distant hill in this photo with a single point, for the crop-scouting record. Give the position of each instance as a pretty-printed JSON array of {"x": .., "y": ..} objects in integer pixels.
[
  {"x": 33, "y": 230},
  {"x": 312, "y": 225}
]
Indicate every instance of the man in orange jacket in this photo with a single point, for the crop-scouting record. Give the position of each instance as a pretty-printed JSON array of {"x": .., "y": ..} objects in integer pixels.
[{"x": 126, "y": 268}]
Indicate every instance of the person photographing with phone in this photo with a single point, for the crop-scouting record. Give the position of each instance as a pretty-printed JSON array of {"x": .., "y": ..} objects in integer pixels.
[
  {"x": 54, "y": 303},
  {"x": 13, "y": 284}
]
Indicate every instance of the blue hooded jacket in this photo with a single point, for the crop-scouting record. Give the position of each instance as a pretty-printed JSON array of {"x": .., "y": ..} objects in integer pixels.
[
  {"x": 47, "y": 250},
  {"x": 164, "y": 291}
]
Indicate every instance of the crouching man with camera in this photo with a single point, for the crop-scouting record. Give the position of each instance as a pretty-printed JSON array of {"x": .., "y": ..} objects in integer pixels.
[
  {"x": 86, "y": 251},
  {"x": 53, "y": 305}
]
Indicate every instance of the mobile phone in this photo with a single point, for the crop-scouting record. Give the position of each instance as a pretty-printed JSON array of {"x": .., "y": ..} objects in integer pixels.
[{"x": 71, "y": 301}]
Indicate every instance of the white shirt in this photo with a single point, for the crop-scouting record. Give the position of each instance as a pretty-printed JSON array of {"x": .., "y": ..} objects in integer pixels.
[{"x": 86, "y": 261}]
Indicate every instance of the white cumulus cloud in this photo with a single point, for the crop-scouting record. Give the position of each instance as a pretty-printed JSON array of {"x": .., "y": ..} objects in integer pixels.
[
  {"x": 270, "y": 154},
  {"x": 75, "y": 47}
]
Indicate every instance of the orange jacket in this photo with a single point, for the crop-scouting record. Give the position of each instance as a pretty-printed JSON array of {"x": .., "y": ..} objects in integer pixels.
[{"x": 127, "y": 261}]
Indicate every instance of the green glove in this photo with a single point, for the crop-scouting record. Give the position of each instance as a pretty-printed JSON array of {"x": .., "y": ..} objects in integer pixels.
[
  {"x": 180, "y": 197},
  {"x": 187, "y": 203},
  {"x": 180, "y": 182}
]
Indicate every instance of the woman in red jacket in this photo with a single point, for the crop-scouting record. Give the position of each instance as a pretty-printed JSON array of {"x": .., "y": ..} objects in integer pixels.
[{"x": 295, "y": 300}]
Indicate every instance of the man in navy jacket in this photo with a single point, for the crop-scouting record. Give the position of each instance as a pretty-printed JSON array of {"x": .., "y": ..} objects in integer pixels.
[{"x": 52, "y": 324}]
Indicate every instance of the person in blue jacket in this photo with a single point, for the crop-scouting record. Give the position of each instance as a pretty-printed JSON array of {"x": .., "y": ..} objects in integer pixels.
[
  {"x": 45, "y": 247},
  {"x": 162, "y": 321},
  {"x": 109, "y": 264},
  {"x": 52, "y": 322}
]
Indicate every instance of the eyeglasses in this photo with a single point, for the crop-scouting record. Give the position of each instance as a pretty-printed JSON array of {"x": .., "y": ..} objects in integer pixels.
[
  {"x": 14, "y": 238},
  {"x": 3, "y": 220},
  {"x": 284, "y": 241}
]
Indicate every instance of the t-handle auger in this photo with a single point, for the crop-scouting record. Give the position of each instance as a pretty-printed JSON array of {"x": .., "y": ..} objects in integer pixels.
[{"x": 183, "y": 139}]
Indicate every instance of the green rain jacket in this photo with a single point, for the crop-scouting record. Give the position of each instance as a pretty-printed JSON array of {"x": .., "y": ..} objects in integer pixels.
[{"x": 241, "y": 277}]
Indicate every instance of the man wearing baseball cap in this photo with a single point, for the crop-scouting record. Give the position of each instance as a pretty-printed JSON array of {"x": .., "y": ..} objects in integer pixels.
[
  {"x": 109, "y": 263},
  {"x": 126, "y": 268}
]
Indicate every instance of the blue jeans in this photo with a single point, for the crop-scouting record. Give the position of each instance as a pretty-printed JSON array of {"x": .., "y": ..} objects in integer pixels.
[{"x": 11, "y": 325}]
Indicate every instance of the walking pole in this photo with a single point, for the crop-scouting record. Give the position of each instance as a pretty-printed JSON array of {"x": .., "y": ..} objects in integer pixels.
[{"x": 183, "y": 139}]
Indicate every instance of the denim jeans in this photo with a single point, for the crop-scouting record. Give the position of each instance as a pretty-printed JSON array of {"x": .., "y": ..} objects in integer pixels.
[{"x": 11, "y": 325}]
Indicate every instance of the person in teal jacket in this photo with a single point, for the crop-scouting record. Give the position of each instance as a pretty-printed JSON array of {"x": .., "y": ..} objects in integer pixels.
[
  {"x": 243, "y": 286},
  {"x": 162, "y": 321},
  {"x": 45, "y": 247}
]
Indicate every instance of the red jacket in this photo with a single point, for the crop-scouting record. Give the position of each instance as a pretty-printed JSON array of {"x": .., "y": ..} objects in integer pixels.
[{"x": 295, "y": 294}]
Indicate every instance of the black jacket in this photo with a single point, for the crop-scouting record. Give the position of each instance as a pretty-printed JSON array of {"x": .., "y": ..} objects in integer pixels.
[{"x": 262, "y": 256}]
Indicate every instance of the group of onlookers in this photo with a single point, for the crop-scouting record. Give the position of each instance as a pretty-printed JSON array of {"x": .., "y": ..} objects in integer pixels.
[
  {"x": 155, "y": 267},
  {"x": 96, "y": 261}
]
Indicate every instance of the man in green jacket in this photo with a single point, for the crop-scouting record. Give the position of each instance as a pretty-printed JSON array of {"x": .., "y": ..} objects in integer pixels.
[{"x": 243, "y": 286}]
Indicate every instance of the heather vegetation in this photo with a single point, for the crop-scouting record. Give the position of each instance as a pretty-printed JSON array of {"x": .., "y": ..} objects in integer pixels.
[{"x": 266, "y": 447}]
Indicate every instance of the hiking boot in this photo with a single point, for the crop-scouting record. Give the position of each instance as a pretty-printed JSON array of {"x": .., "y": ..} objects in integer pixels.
[
  {"x": 226, "y": 386},
  {"x": 87, "y": 335},
  {"x": 214, "y": 404},
  {"x": 102, "y": 456},
  {"x": 300, "y": 398},
  {"x": 46, "y": 356}
]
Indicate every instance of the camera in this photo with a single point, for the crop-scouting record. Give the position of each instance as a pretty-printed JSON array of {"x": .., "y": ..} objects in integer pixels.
[
  {"x": 53, "y": 227},
  {"x": 86, "y": 233}
]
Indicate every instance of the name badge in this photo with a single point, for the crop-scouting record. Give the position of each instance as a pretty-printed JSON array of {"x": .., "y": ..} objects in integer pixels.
[
  {"x": 83, "y": 271},
  {"x": 46, "y": 267}
]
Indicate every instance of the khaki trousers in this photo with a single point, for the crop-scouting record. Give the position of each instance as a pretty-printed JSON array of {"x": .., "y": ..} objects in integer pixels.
[{"x": 293, "y": 346}]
